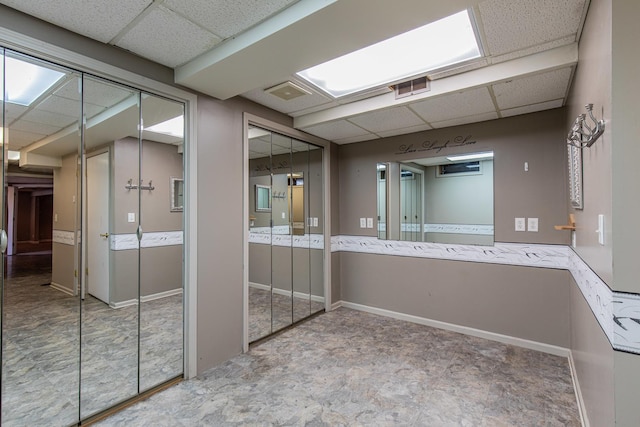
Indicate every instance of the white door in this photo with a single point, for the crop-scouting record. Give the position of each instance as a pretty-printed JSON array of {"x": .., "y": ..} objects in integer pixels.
[{"x": 98, "y": 226}]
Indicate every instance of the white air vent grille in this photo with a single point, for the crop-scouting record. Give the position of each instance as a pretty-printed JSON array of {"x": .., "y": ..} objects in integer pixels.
[{"x": 288, "y": 91}]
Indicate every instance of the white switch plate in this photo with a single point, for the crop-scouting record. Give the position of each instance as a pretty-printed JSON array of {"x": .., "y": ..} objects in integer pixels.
[
  {"x": 532, "y": 224},
  {"x": 369, "y": 222},
  {"x": 520, "y": 224},
  {"x": 55, "y": 217},
  {"x": 600, "y": 229},
  {"x": 363, "y": 222},
  {"x": 131, "y": 217},
  {"x": 315, "y": 222},
  {"x": 283, "y": 215}
]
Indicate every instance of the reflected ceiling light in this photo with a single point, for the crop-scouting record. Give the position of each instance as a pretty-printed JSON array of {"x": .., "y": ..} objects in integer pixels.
[
  {"x": 442, "y": 43},
  {"x": 257, "y": 132},
  {"x": 25, "y": 82},
  {"x": 173, "y": 127},
  {"x": 472, "y": 156},
  {"x": 13, "y": 155}
]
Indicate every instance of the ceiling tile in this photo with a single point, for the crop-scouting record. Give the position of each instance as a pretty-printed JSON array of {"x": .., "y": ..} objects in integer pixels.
[
  {"x": 19, "y": 139},
  {"x": 13, "y": 111},
  {"x": 388, "y": 119},
  {"x": 514, "y": 25},
  {"x": 227, "y": 18},
  {"x": 70, "y": 90},
  {"x": 168, "y": 38},
  {"x": 533, "y": 49},
  {"x": 404, "y": 131},
  {"x": 336, "y": 130},
  {"x": 98, "y": 92},
  {"x": 98, "y": 19},
  {"x": 65, "y": 106},
  {"x": 49, "y": 118},
  {"x": 34, "y": 128},
  {"x": 297, "y": 104},
  {"x": 532, "y": 108},
  {"x": 465, "y": 120},
  {"x": 355, "y": 139},
  {"x": 533, "y": 89},
  {"x": 468, "y": 103}
]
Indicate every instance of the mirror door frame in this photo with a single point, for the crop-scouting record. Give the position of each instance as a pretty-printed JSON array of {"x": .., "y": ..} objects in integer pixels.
[
  {"x": 68, "y": 58},
  {"x": 250, "y": 119}
]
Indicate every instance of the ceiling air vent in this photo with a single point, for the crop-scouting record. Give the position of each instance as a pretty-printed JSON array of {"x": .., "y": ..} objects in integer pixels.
[
  {"x": 287, "y": 91},
  {"x": 412, "y": 87}
]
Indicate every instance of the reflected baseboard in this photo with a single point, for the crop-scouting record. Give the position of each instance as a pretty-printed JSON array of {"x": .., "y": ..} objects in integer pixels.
[
  {"x": 285, "y": 292},
  {"x": 62, "y": 288},
  {"x": 146, "y": 298},
  {"x": 582, "y": 409}
]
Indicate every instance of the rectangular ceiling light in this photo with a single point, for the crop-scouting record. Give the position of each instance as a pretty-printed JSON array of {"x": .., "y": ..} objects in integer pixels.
[
  {"x": 25, "y": 82},
  {"x": 472, "y": 156},
  {"x": 173, "y": 127},
  {"x": 442, "y": 43}
]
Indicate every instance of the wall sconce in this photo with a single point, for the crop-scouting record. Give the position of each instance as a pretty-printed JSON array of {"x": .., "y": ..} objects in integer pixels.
[{"x": 581, "y": 134}]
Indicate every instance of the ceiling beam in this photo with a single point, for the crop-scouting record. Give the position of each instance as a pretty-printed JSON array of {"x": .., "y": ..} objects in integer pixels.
[
  {"x": 533, "y": 64},
  {"x": 303, "y": 35}
]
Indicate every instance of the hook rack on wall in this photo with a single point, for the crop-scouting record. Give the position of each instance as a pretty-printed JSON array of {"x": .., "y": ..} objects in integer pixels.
[
  {"x": 131, "y": 186},
  {"x": 581, "y": 134}
]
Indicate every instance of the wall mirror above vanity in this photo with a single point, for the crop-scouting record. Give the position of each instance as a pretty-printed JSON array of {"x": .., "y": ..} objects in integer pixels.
[{"x": 447, "y": 199}]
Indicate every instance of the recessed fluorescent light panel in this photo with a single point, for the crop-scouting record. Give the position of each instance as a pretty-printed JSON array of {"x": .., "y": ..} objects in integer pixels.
[
  {"x": 173, "y": 127},
  {"x": 25, "y": 82},
  {"x": 472, "y": 156},
  {"x": 440, "y": 44}
]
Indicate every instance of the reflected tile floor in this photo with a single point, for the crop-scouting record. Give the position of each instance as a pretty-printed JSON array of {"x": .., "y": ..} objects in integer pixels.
[
  {"x": 270, "y": 313},
  {"x": 41, "y": 348},
  {"x": 347, "y": 368}
]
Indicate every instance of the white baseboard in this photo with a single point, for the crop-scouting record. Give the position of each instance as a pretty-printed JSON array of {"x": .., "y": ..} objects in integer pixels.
[
  {"x": 172, "y": 292},
  {"x": 336, "y": 305},
  {"x": 520, "y": 342},
  {"x": 122, "y": 304},
  {"x": 259, "y": 286},
  {"x": 582, "y": 409},
  {"x": 61, "y": 288}
]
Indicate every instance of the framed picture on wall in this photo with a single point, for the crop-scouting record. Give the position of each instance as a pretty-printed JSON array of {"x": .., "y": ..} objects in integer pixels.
[{"x": 575, "y": 176}]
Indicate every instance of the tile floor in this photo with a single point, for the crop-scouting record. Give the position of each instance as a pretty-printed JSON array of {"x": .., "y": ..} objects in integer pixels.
[{"x": 349, "y": 368}]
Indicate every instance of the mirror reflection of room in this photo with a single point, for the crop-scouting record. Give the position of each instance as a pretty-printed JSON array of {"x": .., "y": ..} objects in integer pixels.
[
  {"x": 439, "y": 199},
  {"x": 88, "y": 323},
  {"x": 285, "y": 231}
]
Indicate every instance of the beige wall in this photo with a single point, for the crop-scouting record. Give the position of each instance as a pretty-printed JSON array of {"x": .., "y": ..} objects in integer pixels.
[
  {"x": 534, "y": 138},
  {"x": 64, "y": 208}
]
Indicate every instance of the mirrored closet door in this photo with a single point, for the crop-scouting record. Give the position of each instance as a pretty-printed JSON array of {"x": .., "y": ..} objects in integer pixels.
[
  {"x": 92, "y": 292},
  {"x": 286, "y": 231}
]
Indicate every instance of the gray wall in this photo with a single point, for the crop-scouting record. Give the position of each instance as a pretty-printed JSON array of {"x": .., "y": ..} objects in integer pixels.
[{"x": 534, "y": 138}]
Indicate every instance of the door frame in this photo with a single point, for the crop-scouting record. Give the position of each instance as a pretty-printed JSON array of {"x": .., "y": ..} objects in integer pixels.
[
  {"x": 69, "y": 58},
  {"x": 250, "y": 119}
]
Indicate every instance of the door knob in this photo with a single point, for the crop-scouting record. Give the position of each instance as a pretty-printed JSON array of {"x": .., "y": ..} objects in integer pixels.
[{"x": 105, "y": 235}]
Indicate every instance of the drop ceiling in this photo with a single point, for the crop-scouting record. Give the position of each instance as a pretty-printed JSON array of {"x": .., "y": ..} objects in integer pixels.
[{"x": 245, "y": 47}]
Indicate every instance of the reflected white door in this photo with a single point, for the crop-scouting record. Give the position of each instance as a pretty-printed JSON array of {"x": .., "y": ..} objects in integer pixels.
[{"x": 98, "y": 226}]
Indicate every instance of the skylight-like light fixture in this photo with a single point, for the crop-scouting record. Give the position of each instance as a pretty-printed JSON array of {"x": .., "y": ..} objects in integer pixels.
[
  {"x": 25, "y": 82},
  {"x": 442, "y": 43},
  {"x": 173, "y": 127}
]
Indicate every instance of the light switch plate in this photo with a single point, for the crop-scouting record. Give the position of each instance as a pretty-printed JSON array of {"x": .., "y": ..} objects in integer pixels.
[
  {"x": 600, "y": 229},
  {"x": 520, "y": 224},
  {"x": 315, "y": 222},
  {"x": 131, "y": 217},
  {"x": 369, "y": 222},
  {"x": 363, "y": 222},
  {"x": 532, "y": 224}
]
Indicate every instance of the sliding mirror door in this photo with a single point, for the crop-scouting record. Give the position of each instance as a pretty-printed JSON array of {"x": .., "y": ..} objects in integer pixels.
[
  {"x": 40, "y": 302},
  {"x": 109, "y": 333},
  {"x": 281, "y": 233},
  {"x": 161, "y": 264},
  {"x": 314, "y": 186},
  {"x": 300, "y": 230}
]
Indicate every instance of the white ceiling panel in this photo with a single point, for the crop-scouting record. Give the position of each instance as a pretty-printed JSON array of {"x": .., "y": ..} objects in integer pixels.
[
  {"x": 167, "y": 38},
  {"x": 468, "y": 103},
  {"x": 13, "y": 111},
  {"x": 386, "y": 120},
  {"x": 514, "y": 25},
  {"x": 533, "y": 49},
  {"x": 301, "y": 103},
  {"x": 227, "y": 18},
  {"x": 404, "y": 131},
  {"x": 533, "y": 89},
  {"x": 355, "y": 139},
  {"x": 336, "y": 130},
  {"x": 98, "y": 92},
  {"x": 34, "y": 127},
  {"x": 532, "y": 108},
  {"x": 98, "y": 19},
  {"x": 465, "y": 120},
  {"x": 57, "y": 104},
  {"x": 49, "y": 118},
  {"x": 19, "y": 139},
  {"x": 70, "y": 90}
]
